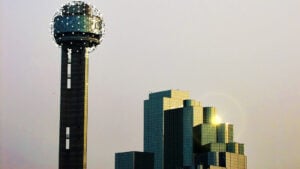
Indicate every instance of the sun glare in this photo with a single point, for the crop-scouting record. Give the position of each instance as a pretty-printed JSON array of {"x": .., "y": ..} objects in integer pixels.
[{"x": 217, "y": 120}]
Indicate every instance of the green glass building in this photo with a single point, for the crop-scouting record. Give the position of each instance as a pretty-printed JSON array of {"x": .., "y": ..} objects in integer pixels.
[
  {"x": 178, "y": 137},
  {"x": 214, "y": 145},
  {"x": 154, "y": 109},
  {"x": 182, "y": 134},
  {"x": 225, "y": 133}
]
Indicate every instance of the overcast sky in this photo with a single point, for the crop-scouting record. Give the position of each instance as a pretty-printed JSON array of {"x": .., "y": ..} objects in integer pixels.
[{"x": 241, "y": 56}]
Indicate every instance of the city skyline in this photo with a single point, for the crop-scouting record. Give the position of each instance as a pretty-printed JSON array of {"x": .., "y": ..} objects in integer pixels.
[{"x": 241, "y": 57}]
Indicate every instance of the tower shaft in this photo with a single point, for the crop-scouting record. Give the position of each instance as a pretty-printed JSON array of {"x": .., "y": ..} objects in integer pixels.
[{"x": 73, "y": 108}]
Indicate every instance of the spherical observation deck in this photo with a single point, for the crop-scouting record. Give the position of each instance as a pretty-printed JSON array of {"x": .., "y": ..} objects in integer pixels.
[{"x": 78, "y": 23}]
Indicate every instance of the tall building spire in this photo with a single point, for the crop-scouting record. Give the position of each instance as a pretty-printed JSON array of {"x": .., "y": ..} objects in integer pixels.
[{"x": 78, "y": 28}]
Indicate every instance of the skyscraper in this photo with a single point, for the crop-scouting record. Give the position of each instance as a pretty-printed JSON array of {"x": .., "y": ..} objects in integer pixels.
[
  {"x": 178, "y": 134},
  {"x": 154, "y": 109},
  {"x": 182, "y": 134},
  {"x": 77, "y": 28}
]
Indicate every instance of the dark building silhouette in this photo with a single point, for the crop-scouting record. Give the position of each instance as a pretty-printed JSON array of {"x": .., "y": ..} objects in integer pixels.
[
  {"x": 78, "y": 29},
  {"x": 134, "y": 160},
  {"x": 178, "y": 136}
]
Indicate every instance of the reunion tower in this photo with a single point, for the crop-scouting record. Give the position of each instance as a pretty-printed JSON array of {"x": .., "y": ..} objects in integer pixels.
[{"x": 78, "y": 28}]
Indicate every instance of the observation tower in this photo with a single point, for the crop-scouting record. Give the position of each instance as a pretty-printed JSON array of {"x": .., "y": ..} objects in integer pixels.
[{"x": 77, "y": 28}]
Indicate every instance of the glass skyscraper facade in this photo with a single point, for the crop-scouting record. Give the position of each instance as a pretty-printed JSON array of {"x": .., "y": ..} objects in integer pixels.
[
  {"x": 181, "y": 134},
  {"x": 178, "y": 138},
  {"x": 214, "y": 146},
  {"x": 225, "y": 133},
  {"x": 154, "y": 109}
]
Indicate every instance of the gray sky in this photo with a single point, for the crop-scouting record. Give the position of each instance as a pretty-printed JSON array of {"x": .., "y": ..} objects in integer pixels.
[{"x": 241, "y": 56}]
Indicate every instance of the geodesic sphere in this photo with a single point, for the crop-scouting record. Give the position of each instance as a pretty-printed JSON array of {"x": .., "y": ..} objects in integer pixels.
[{"x": 78, "y": 23}]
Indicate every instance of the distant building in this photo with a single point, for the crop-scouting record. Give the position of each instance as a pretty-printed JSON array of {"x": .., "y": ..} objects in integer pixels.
[{"x": 134, "y": 160}]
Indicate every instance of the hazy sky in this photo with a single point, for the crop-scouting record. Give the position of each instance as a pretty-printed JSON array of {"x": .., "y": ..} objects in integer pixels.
[{"x": 242, "y": 56}]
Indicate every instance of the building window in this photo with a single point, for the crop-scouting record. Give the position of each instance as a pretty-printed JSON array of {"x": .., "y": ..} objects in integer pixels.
[
  {"x": 69, "y": 70},
  {"x": 69, "y": 55},
  {"x": 67, "y": 132},
  {"x": 68, "y": 83},
  {"x": 67, "y": 138},
  {"x": 67, "y": 144}
]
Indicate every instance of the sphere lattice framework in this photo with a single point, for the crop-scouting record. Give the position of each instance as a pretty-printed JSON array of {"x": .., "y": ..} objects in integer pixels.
[{"x": 78, "y": 23}]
